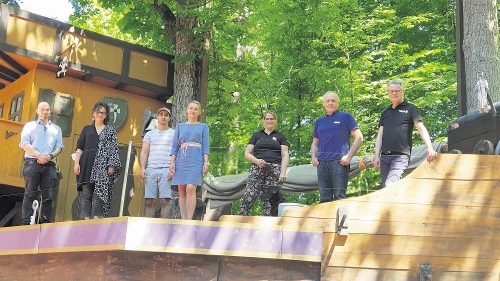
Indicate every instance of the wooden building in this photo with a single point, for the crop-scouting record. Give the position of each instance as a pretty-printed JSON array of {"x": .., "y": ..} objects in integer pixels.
[
  {"x": 438, "y": 223},
  {"x": 46, "y": 60}
]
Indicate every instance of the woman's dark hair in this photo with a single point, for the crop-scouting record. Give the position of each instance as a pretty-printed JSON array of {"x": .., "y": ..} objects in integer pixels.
[{"x": 98, "y": 105}]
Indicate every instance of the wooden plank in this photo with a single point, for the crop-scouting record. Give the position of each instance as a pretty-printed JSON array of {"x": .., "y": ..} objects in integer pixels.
[
  {"x": 224, "y": 239},
  {"x": 469, "y": 276},
  {"x": 437, "y": 192},
  {"x": 485, "y": 228},
  {"x": 242, "y": 269},
  {"x": 399, "y": 212},
  {"x": 412, "y": 246},
  {"x": 445, "y": 213},
  {"x": 459, "y": 167},
  {"x": 126, "y": 265},
  {"x": 109, "y": 265},
  {"x": 163, "y": 235},
  {"x": 406, "y": 262},
  {"x": 466, "y": 171},
  {"x": 11, "y": 126},
  {"x": 367, "y": 274}
]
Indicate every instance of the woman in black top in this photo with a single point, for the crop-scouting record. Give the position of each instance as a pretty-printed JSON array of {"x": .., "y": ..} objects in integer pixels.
[
  {"x": 97, "y": 164},
  {"x": 267, "y": 150}
]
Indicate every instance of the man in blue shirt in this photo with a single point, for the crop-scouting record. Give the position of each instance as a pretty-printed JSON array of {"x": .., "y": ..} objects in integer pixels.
[
  {"x": 331, "y": 152},
  {"x": 42, "y": 142}
]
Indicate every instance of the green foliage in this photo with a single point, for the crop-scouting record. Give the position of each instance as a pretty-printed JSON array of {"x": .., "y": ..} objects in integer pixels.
[
  {"x": 290, "y": 53},
  {"x": 13, "y": 3}
]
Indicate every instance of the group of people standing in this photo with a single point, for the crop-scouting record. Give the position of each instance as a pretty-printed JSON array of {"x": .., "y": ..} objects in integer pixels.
[
  {"x": 183, "y": 158},
  {"x": 332, "y": 151},
  {"x": 177, "y": 159}
]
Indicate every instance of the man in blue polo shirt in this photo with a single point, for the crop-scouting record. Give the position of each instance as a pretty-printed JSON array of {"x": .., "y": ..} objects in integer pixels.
[
  {"x": 394, "y": 139},
  {"x": 330, "y": 149}
]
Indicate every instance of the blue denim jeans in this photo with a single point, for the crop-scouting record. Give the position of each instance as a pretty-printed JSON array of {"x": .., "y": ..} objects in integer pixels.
[
  {"x": 332, "y": 180},
  {"x": 38, "y": 175},
  {"x": 392, "y": 168}
]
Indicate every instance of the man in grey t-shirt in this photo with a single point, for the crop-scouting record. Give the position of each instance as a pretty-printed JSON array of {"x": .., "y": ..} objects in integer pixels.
[{"x": 155, "y": 164}]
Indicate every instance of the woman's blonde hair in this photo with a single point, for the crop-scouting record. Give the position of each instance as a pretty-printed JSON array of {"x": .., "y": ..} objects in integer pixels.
[
  {"x": 195, "y": 102},
  {"x": 269, "y": 112}
]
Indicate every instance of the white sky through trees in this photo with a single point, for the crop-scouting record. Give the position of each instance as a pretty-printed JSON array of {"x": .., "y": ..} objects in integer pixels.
[{"x": 54, "y": 9}]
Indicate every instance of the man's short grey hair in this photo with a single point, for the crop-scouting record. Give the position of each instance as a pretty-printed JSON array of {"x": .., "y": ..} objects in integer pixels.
[
  {"x": 331, "y": 93},
  {"x": 396, "y": 82}
]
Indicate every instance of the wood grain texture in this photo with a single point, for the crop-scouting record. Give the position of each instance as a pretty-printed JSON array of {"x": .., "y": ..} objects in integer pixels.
[
  {"x": 132, "y": 266},
  {"x": 445, "y": 213},
  {"x": 108, "y": 265}
]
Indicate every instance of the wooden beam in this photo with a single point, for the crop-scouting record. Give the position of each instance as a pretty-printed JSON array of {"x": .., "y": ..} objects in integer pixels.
[
  {"x": 8, "y": 72},
  {"x": 459, "y": 35},
  {"x": 13, "y": 63},
  {"x": 6, "y": 78},
  {"x": 11, "y": 126}
]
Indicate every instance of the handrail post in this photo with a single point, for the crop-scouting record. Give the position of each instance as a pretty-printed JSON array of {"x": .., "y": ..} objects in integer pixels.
[{"x": 125, "y": 178}]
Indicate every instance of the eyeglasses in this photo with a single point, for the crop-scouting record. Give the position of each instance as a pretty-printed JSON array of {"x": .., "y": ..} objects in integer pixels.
[
  {"x": 269, "y": 119},
  {"x": 100, "y": 113},
  {"x": 395, "y": 92}
]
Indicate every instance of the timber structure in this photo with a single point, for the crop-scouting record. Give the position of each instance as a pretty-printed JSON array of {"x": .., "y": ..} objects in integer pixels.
[
  {"x": 438, "y": 223},
  {"x": 42, "y": 59}
]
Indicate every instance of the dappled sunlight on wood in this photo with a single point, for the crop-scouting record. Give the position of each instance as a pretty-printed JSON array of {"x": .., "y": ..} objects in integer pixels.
[{"x": 445, "y": 213}]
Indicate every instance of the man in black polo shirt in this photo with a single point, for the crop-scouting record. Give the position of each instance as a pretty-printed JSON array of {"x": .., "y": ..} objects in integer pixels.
[{"x": 394, "y": 139}]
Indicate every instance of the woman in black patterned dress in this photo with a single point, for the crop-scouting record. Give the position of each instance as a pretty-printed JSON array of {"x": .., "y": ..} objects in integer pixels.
[{"x": 97, "y": 164}]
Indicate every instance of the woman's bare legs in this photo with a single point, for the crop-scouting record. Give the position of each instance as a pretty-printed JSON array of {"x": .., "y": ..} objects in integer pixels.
[
  {"x": 182, "y": 201},
  {"x": 190, "y": 200},
  {"x": 187, "y": 200}
]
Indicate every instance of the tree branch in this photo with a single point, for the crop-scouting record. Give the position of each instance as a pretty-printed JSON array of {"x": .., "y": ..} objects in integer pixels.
[{"x": 168, "y": 18}]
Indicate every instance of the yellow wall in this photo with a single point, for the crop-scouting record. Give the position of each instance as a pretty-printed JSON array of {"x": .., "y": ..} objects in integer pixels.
[
  {"x": 31, "y": 35},
  {"x": 148, "y": 68},
  {"x": 11, "y": 169},
  {"x": 86, "y": 51}
]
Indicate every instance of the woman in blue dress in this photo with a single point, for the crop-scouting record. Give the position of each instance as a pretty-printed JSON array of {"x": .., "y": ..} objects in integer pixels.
[{"x": 189, "y": 158}]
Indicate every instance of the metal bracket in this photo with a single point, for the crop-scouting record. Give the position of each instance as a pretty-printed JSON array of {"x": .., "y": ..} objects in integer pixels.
[
  {"x": 425, "y": 272},
  {"x": 342, "y": 221}
]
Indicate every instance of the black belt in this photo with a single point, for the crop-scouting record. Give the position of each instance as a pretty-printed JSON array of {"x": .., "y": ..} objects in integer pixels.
[
  {"x": 389, "y": 152},
  {"x": 34, "y": 160}
]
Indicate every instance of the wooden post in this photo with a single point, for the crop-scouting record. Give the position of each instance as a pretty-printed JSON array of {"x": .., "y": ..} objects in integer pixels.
[
  {"x": 461, "y": 87},
  {"x": 125, "y": 178}
]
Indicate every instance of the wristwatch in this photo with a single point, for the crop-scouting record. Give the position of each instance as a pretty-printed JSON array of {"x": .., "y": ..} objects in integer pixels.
[{"x": 51, "y": 156}]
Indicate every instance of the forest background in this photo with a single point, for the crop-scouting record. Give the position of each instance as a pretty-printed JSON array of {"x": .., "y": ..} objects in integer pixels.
[{"x": 283, "y": 55}]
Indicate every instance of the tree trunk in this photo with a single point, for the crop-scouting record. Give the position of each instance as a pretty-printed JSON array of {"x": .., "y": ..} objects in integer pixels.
[
  {"x": 480, "y": 46},
  {"x": 187, "y": 72},
  {"x": 188, "y": 54}
]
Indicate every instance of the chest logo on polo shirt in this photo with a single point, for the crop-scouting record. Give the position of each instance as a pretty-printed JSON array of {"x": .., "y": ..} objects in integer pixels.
[
  {"x": 403, "y": 111},
  {"x": 274, "y": 138}
]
